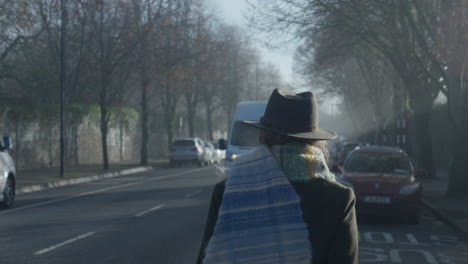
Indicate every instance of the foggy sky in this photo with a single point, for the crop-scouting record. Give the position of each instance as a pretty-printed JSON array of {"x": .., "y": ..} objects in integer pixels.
[{"x": 231, "y": 12}]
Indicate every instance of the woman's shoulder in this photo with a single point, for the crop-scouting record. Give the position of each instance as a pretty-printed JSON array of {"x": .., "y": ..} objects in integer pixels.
[{"x": 323, "y": 189}]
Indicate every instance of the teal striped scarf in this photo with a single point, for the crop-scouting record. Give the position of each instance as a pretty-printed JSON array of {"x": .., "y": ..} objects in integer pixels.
[
  {"x": 302, "y": 162},
  {"x": 260, "y": 219}
]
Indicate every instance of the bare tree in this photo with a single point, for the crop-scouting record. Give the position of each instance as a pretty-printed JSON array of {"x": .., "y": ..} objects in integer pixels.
[
  {"x": 111, "y": 51},
  {"x": 20, "y": 23},
  {"x": 451, "y": 41},
  {"x": 146, "y": 15},
  {"x": 170, "y": 52},
  {"x": 398, "y": 30}
]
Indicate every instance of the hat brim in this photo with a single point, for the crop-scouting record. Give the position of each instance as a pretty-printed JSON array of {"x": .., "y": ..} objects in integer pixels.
[{"x": 319, "y": 134}]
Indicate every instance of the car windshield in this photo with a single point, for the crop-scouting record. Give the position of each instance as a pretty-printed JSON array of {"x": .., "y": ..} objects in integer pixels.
[
  {"x": 244, "y": 135},
  {"x": 377, "y": 163},
  {"x": 184, "y": 143}
]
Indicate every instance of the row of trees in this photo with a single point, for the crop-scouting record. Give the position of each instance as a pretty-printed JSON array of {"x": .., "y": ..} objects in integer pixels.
[
  {"x": 384, "y": 58},
  {"x": 160, "y": 57}
]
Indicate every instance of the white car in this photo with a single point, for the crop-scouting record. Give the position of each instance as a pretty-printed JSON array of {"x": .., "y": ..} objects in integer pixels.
[
  {"x": 211, "y": 154},
  {"x": 7, "y": 175},
  {"x": 189, "y": 150},
  {"x": 220, "y": 153}
]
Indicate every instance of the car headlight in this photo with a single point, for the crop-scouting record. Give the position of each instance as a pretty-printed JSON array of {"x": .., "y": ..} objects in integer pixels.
[
  {"x": 346, "y": 183},
  {"x": 230, "y": 156},
  {"x": 409, "y": 189}
]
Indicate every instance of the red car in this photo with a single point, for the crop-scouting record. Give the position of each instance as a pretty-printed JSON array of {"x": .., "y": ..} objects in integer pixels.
[{"x": 383, "y": 181}]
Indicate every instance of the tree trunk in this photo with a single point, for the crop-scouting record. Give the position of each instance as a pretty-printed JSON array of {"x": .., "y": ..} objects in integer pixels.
[
  {"x": 17, "y": 145},
  {"x": 169, "y": 134},
  {"x": 66, "y": 141},
  {"x": 191, "y": 121},
  {"x": 376, "y": 135},
  {"x": 458, "y": 107},
  {"x": 50, "y": 141},
  {"x": 457, "y": 170},
  {"x": 104, "y": 130},
  {"x": 75, "y": 145},
  {"x": 144, "y": 121},
  {"x": 191, "y": 102},
  {"x": 421, "y": 103},
  {"x": 209, "y": 125},
  {"x": 121, "y": 139},
  {"x": 424, "y": 142}
]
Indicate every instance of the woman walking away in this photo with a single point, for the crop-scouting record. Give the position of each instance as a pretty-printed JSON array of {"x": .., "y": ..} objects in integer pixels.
[{"x": 280, "y": 203}]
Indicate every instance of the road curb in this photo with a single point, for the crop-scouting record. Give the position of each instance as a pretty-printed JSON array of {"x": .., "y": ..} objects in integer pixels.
[
  {"x": 61, "y": 183},
  {"x": 444, "y": 218}
]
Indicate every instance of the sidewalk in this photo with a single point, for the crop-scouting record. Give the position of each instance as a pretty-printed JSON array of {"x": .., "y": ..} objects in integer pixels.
[
  {"x": 452, "y": 211},
  {"x": 43, "y": 178}
]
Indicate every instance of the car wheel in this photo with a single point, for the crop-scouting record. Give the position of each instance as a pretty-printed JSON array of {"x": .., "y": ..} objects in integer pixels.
[
  {"x": 8, "y": 194},
  {"x": 200, "y": 163}
]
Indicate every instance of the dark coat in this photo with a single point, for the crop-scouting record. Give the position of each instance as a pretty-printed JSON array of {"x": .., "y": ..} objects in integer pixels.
[{"x": 328, "y": 211}]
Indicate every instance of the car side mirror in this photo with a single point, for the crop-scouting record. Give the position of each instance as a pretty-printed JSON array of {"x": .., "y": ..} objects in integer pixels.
[{"x": 222, "y": 144}]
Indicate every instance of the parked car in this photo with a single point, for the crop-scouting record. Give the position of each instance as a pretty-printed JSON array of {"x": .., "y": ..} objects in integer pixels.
[
  {"x": 211, "y": 154},
  {"x": 188, "y": 150},
  {"x": 383, "y": 180},
  {"x": 7, "y": 175},
  {"x": 220, "y": 153},
  {"x": 242, "y": 137}
]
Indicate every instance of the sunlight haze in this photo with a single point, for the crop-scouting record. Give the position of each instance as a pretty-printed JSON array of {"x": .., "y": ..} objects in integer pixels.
[{"x": 231, "y": 11}]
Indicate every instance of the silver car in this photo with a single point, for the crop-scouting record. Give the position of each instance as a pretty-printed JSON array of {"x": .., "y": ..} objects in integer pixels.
[
  {"x": 7, "y": 175},
  {"x": 189, "y": 150}
]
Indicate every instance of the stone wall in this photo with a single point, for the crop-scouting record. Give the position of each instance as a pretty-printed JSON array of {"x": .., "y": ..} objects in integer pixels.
[{"x": 37, "y": 143}]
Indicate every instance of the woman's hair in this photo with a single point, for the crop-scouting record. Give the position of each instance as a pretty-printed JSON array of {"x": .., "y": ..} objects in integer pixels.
[{"x": 270, "y": 139}]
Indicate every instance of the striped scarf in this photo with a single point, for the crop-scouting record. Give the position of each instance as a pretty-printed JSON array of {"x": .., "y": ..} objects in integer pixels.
[{"x": 260, "y": 219}]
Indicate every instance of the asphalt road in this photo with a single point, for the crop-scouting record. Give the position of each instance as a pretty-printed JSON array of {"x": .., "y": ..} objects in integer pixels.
[{"x": 158, "y": 217}]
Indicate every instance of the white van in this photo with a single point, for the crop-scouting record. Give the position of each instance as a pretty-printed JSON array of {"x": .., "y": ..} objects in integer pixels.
[{"x": 243, "y": 138}]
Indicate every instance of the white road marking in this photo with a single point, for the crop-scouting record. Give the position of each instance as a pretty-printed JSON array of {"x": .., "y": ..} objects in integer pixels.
[
  {"x": 150, "y": 210},
  {"x": 98, "y": 191},
  {"x": 45, "y": 250},
  {"x": 188, "y": 195}
]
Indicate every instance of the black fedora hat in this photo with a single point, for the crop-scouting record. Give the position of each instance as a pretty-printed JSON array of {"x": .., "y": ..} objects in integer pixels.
[{"x": 293, "y": 115}]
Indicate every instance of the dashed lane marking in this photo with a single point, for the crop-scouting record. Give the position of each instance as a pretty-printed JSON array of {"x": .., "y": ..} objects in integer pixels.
[
  {"x": 188, "y": 195},
  {"x": 98, "y": 191},
  {"x": 150, "y": 210},
  {"x": 45, "y": 250}
]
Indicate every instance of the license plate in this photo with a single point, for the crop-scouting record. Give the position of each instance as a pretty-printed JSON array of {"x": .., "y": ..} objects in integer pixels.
[{"x": 376, "y": 199}]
